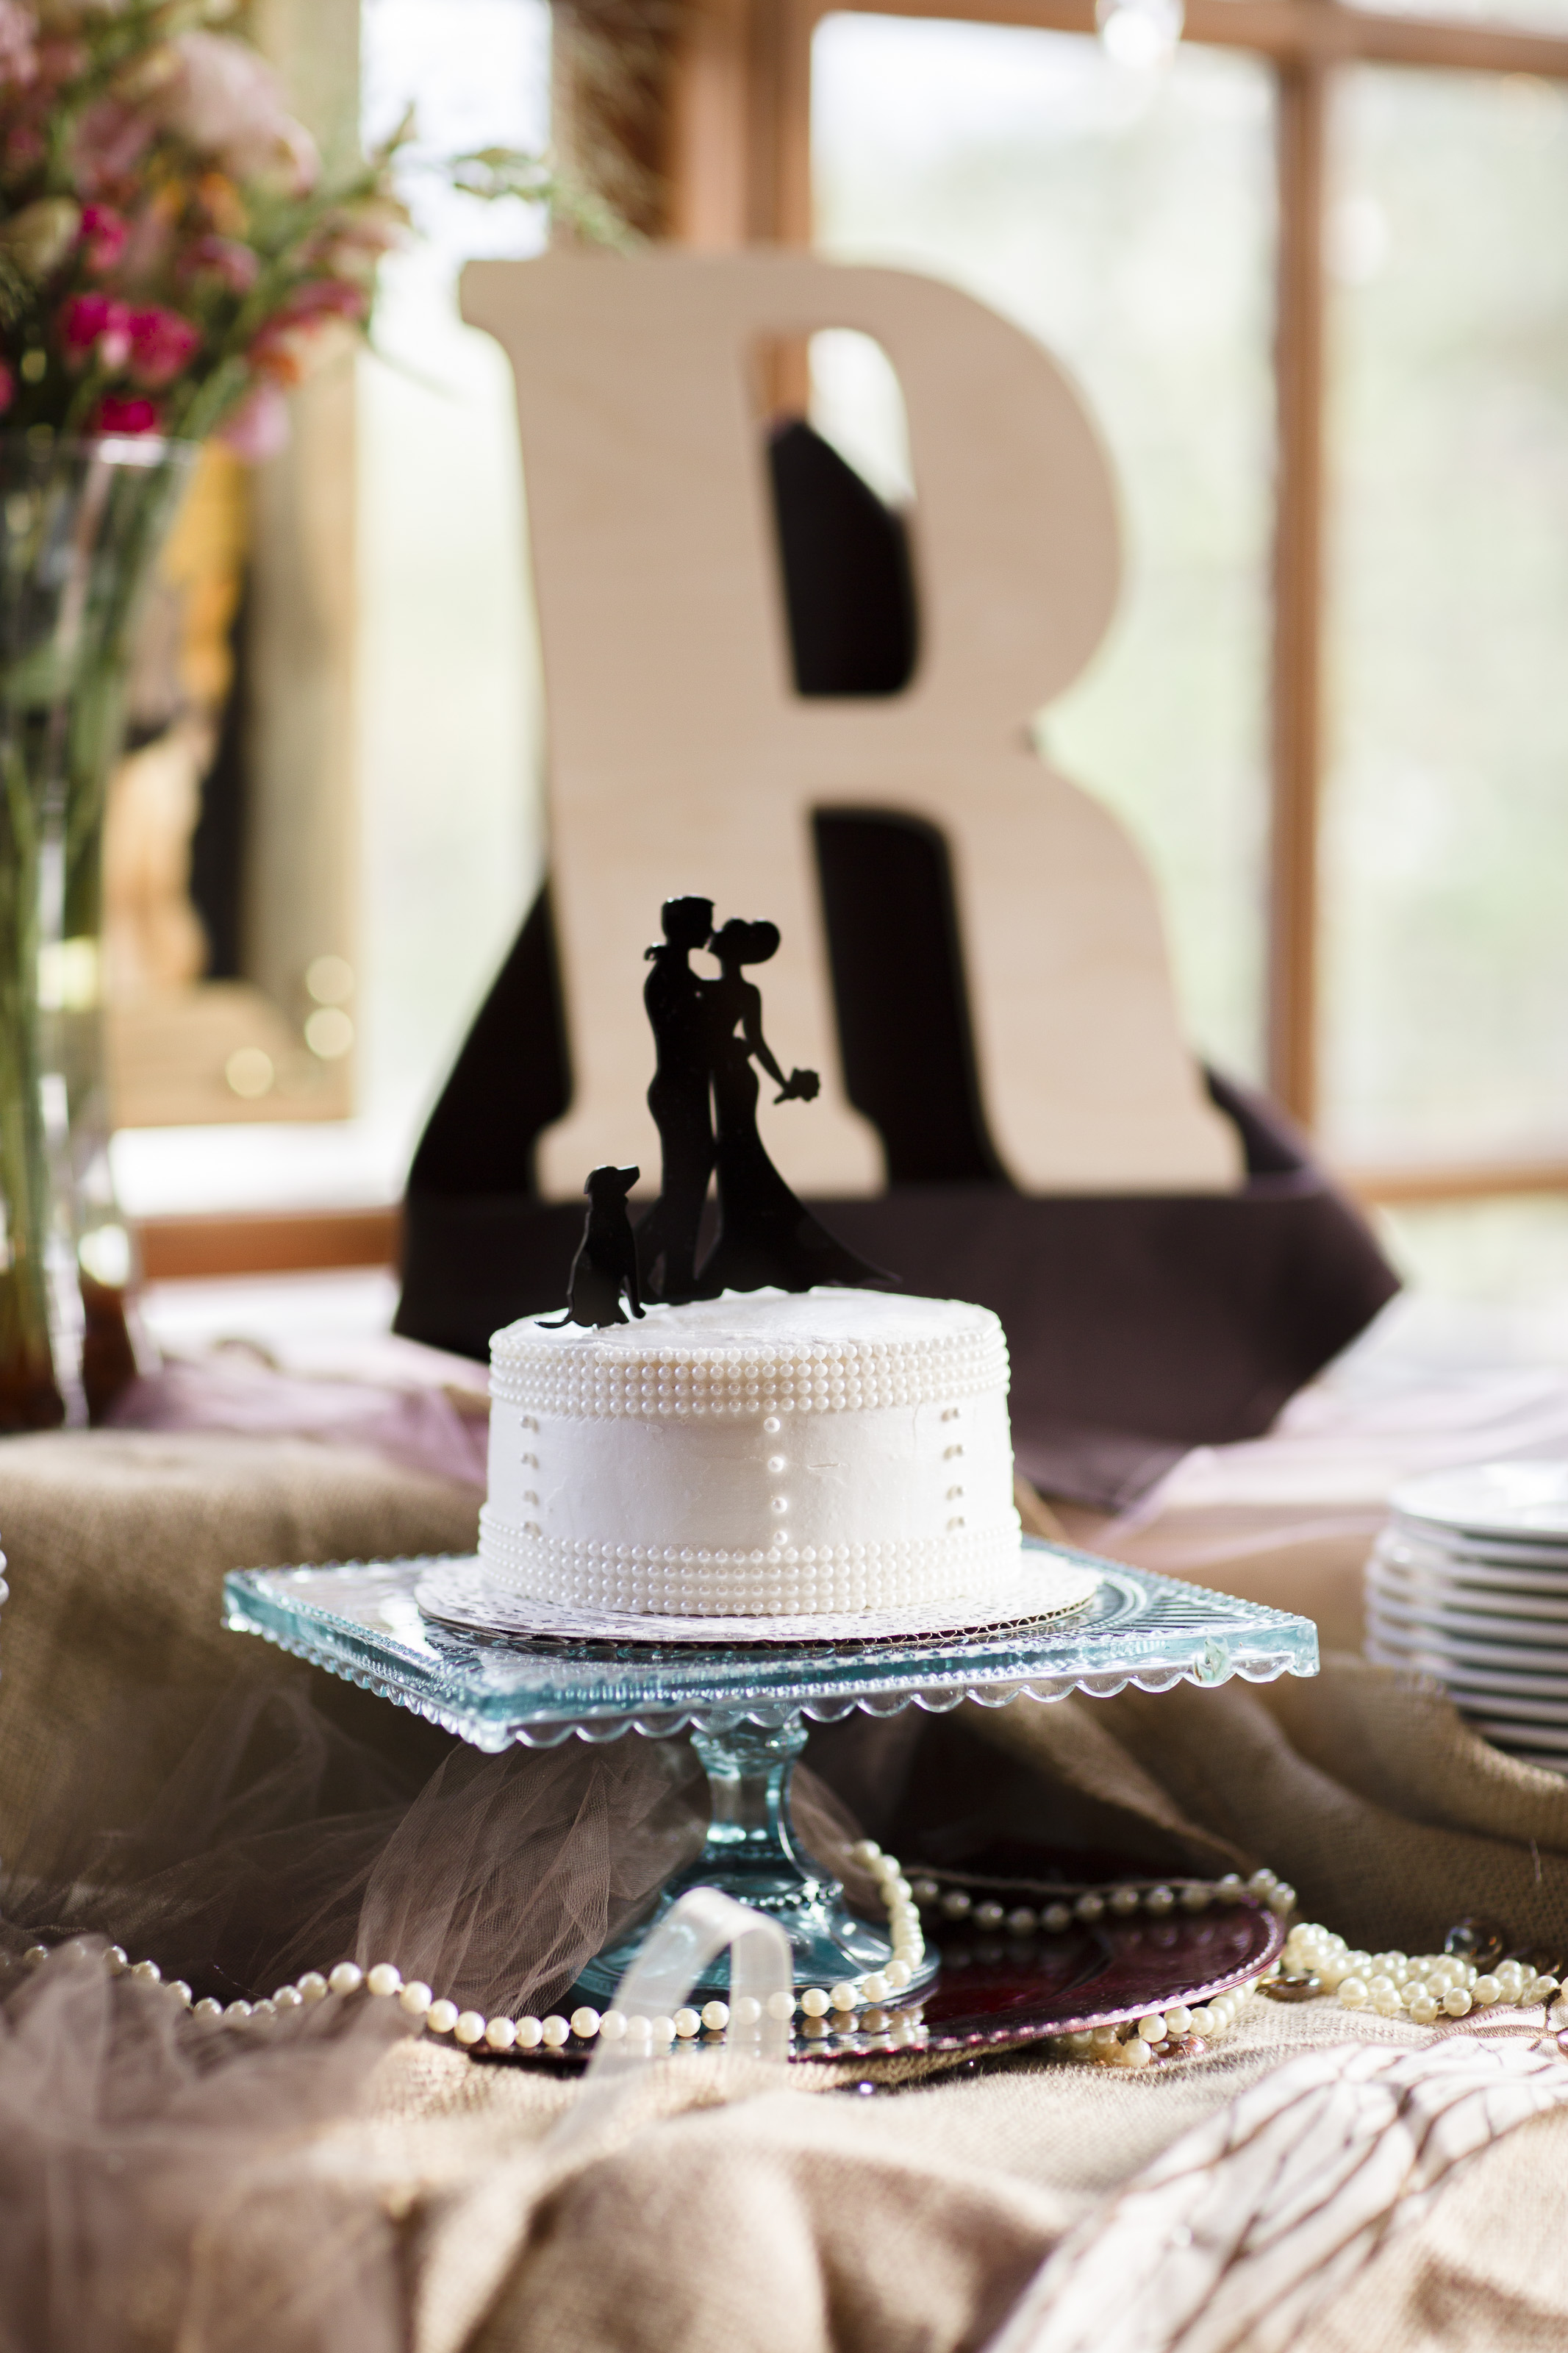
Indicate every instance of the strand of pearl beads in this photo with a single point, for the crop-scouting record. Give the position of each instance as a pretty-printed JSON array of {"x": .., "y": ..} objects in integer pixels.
[
  {"x": 1175, "y": 2033},
  {"x": 472, "y": 2031},
  {"x": 1423, "y": 1987},
  {"x": 1086, "y": 1905}
]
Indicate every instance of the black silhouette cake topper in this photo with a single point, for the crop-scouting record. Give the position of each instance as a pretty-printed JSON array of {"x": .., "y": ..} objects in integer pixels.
[
  {"x": 607, "y": 1260},
  {"x": 709, "y": 1039},
  {"x": 679, "y": 1099}
]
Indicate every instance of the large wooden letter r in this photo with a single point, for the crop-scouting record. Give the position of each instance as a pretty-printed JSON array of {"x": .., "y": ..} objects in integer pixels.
[{"x": 681, "y": 759}]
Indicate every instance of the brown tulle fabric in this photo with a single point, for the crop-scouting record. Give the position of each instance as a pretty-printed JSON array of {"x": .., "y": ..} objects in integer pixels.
[
  {"x": 282, "y": 1843},
  {"x": 129, "y": 2128},
  {"x": 127, "y": 2132}
]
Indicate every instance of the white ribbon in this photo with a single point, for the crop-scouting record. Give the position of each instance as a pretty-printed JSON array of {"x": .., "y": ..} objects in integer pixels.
[{"x": 687, "y": 1941}]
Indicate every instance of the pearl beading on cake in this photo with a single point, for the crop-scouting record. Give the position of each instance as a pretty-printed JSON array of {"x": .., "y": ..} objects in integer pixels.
[
  {"x": 602, "y": 1378},
  {"x": 788, "y": 1580}
]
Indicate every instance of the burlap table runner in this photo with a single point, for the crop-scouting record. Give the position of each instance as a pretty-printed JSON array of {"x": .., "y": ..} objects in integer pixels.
[
  {"x": 118, "y": 1545},
  {"x": 422, "y": 2201}
]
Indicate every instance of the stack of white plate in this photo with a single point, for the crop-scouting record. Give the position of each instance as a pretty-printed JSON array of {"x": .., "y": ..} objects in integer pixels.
[{"x": 1469, "y": 1583}]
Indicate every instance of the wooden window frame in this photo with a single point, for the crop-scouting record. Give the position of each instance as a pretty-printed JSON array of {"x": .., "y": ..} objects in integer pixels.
[{"x": 741, "y": 172}]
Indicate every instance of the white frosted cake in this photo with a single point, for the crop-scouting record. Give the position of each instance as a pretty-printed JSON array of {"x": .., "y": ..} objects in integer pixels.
[{"x": 763, "y": 1454}]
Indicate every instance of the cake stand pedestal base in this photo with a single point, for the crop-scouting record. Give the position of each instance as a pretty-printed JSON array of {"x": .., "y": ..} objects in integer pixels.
[{"x": 750, "y": 1853}]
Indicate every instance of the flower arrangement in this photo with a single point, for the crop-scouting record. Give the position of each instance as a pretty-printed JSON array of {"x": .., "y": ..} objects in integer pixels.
[{"x": 173, "y": 255}]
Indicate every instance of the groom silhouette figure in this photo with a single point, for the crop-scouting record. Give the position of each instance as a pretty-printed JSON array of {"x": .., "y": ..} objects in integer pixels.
[{"x": 681, "y": 1099}]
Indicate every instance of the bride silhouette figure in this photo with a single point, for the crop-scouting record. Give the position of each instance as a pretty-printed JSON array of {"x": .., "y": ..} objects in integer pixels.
[{"x": 766, "y": 1236}]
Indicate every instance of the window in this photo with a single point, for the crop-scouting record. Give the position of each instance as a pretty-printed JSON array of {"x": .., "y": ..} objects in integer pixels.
[
  {"x": 1444, "y": 1023},
  {"x": 1403, "y": 444},
  {"x": 443, "y": 784},
  {"x": 1136, "y": 239},
  {"x": 1363, "y": 881}
]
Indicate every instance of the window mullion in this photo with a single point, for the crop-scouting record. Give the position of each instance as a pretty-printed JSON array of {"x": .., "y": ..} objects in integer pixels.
[{"x": 1297, "y": 663}]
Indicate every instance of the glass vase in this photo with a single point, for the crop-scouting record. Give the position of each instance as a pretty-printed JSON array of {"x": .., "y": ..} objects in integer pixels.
[{"x": 80, "y": 523}]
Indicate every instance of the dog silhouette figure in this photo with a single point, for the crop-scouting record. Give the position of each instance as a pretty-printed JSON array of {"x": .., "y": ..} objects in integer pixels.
[{"x": 607, "y": 1260}]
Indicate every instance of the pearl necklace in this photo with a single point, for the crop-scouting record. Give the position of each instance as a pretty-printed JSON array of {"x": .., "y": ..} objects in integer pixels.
[
  {"x": 1425, "y": 1987},
  {"x": 472, "y": 2031},
  {"x": 1428, "y": 1989},
  {"x": 1121, "y": 1900}
]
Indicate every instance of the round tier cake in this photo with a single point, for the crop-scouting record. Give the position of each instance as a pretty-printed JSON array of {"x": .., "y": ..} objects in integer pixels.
[{"x": 765, "y": 1454}]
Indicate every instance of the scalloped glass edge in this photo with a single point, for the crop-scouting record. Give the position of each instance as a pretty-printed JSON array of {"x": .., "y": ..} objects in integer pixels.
[{"x": 1151, "y": 1631}]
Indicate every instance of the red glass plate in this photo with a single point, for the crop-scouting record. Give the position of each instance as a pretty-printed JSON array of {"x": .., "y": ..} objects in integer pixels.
[{"x": 996, "y": 1991}]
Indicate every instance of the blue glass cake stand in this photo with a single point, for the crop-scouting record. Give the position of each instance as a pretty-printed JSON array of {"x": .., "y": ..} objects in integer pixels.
[{"x": 747, "y": 1708}]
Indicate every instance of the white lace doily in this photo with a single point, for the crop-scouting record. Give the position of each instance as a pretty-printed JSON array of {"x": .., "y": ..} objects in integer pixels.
[{"x": 463, "y": 1593}]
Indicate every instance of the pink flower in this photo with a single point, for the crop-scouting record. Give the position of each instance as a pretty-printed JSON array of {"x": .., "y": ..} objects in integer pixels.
[
  {"x": 293, "y": 336},
  {"x": 8, "y": 387},
  {"x": 323, "y": 298},
  {"x": 227, "y": 101},
  {"x": 24, "y": 148},
  {"x": 18, "y": 53},
  {"x": 110, "y": 140},
  {"x": 103, "y": 235},
  {"x": 356, "y": 240},
  {"x": 234, "y": 265},
  {"x": 122, "y": 413},
  {"x": 149, "y": 245},
  {"x": 96, "y": 326},
  {"x": 259, "y": 427},
  {"x": 161, "y": 344},
  {"x": 60, "y": 58}
]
